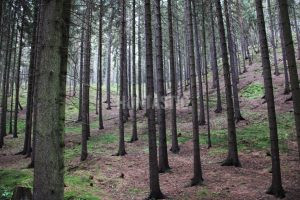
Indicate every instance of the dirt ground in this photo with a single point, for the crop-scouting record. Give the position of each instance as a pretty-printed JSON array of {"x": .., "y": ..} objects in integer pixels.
[{"x": 127, "y": 177}]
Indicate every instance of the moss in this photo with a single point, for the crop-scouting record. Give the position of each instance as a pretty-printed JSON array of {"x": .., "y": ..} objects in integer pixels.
[
  {"x": 78, "y": 188},
  {"x": 253, "y": 91},
  {"x": 12, "y": 178}
]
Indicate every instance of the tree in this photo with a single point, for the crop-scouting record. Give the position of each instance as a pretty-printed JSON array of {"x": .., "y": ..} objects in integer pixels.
[
  {"x": 232, "y": 158},
  {"x": 273, "y": 38},
  {"x": 109, "y": 60},
  {"x": 175, "y": 148},
  {"x": 121, "y": 151},
  {"x": 197, "y": 179},
  {"x": 155, "y": 191},
  {"x": 213, "y": 60},
  {"x": 206, "y": 71},
  {"x": 100, "y": 65},
  {"x": 86, "y": 81},
  {"x": 134, "y": 123},
  {"x": 276, "y": 187},
  {"x": 199, "y": 67},
  {"x": 163, "y": 164},
  {"x": 52, "y": 59},
  {"x": 140, "y": 106},
  {"x": 15, "y": 131},
  {"x": 290, "y": 53},
  {"x": 234, "y": 75}
]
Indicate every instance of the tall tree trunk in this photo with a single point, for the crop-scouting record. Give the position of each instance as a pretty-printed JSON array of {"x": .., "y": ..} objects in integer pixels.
[
  {"x": 296, "y": 27},
  {"x": 206, "y": 71},
  {"x": 232, "y": 158},
  {"x": 155, "y": 191},
  {"x": 31, "y": 80},
  {"x": 242, "y": 32},
  {"x": 213, "y": 60},
  {"x": 179, "y": 60},
  {"x": 109, "y": 61},
  {"x": 81, "y": 72},
  {"x": 15, "y": 131},
  {"x": 140, "y": 106},
  {"x": 122, "y": 101},
  {"x": 273, "y": 38},
  {"x": 197, "y": 178},
  {"x": 101, "y": 10},
  {"x": 86, "y": 81},
  {"x": 52, "y": 57},
  {"x": 276, "y": 187},
  {"x": 199, "y": 67},
  {"x": 175, "y": 147},
  {"x": 134, "y": 136},
  {"x": 237, "y": 111},
  {"x": 287, "y": 89},
  {"x": 290, "y": 53},
  {"x": 163, "y": 164}
]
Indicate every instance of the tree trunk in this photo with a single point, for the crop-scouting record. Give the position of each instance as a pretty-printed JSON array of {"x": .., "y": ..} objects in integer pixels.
[
  {"x": 206, "y": 71},
  {"x": 290, "y": 53},
  {"x": 285, "y": 67},
  {"x": 273, "y": 38},
  {"x": 101, "y": 10},
  {"x": 213, "y": 60},
  {"x": 276, "y": 187},
  {"x": 163, "y": 164},
  {"x": 155, "y": 191},
  {"x": 232, "y": 158},
  {"x": 15, "y": 131},
  {"x": 81, "y": 72},
  {"x": 175, "y": 147},
  {"x": 51, "y": 92},
  {"x": 109, "y": 61},
  {"x": 296, "y": 28},
  {"x": 237, "y": 112},
  {"x": 86, "y": 81},
  {"x": 121, "y": 151},
  {"x": 197, "y": 178},
  {"x": 140, "y": 106}
]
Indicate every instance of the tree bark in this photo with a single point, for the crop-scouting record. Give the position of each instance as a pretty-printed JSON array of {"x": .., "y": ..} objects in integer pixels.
[
  {"x": 175, "y": 148},
  {"x": 273, "y": 38},
  {"x": 155, "y": 191},
  {"x": 290, "y": 52},
  {"x": 86, "y": 82},
  {"x": 276, "y": 187},
  {"x": 213, "y": 60},
  {"x": 121, "y": 151},
  {"x": 232, "y": 158},
  {"x": 197, "y": 178},
  {"x": 51, "y": 92},
  {"x": 101, "y": 10},
  {"x": 134, "y": 136}
]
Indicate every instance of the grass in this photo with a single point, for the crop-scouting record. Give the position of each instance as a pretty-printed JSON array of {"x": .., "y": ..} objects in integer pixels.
[
  {"x": 254, "y": 136},
  {"x": 253, "y": 91},
  {"x": 78, "y": 186}
]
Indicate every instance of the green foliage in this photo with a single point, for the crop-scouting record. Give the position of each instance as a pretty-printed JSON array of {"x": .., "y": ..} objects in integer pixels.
[
  {"x": 79, "y": 188},
  {"x": 13, "y": 178},
  {"x": 253, "y": 91}
]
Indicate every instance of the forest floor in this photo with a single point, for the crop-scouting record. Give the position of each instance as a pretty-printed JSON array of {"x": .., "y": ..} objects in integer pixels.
[{"x": 103, "y": 176}]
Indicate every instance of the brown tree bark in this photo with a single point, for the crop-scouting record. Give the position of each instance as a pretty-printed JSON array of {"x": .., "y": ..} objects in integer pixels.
[
  {"x": 101, "y": 12},
  {"x": 122, "y": 101},
  {"x": 276, "y": 187},
  {"x": 197, "y": 178},
  {"x": 290, "y": 53},
  {"x": 86, "y": 81},
  {"x": 155, "y": 191},
  {"x": 134, "y": 136},
  {"x": 175, "y": 148},
  {"x": 52, "y": 58},
  {"x": 232, "y": 158}
]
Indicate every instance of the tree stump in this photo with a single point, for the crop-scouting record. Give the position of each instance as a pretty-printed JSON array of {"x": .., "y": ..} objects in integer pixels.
[{"x": 22, "y": 193}]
